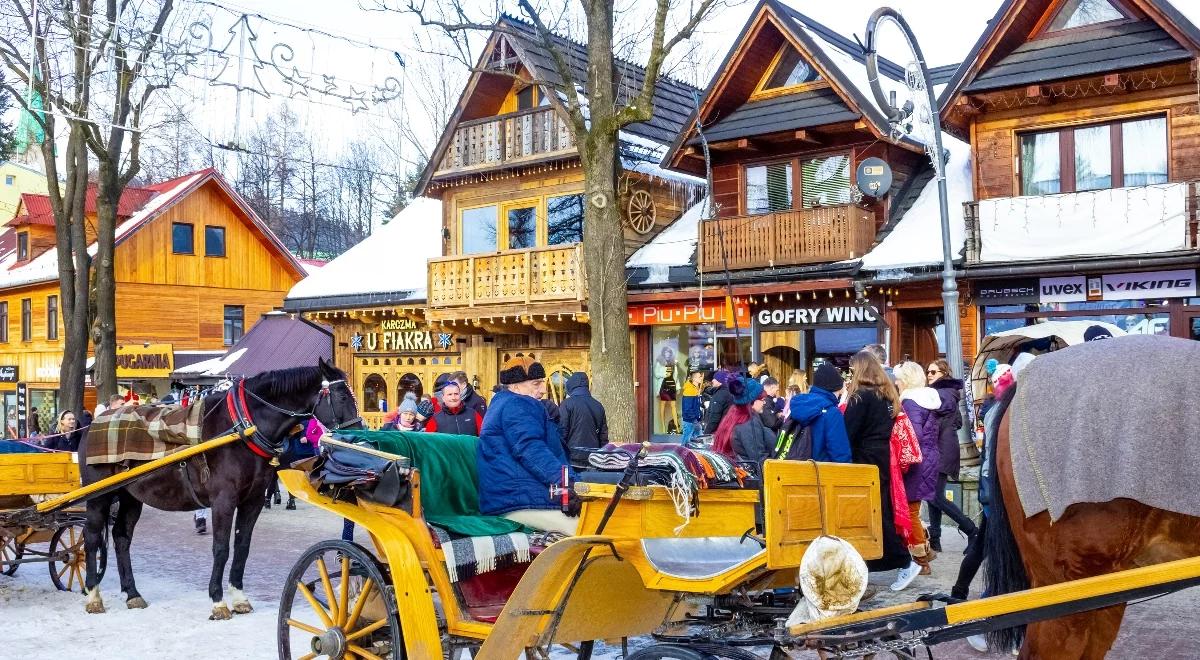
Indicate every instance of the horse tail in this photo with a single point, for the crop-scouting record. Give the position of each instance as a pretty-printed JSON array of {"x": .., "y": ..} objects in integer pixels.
[{"x": 1004, "y": 572}]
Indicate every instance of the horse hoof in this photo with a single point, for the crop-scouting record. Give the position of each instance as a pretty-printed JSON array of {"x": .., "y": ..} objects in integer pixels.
[
  {"x": 242, "y": 608},
  {"x": 220, "y": 613},
  {"x": 95, "y": 608},
  {"x": 137, "y": 603}
]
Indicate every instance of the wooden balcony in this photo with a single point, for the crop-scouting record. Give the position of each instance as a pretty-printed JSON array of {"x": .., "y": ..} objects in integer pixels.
[
  {"x": 545, "y": 280},
  {"x": 786, "y": 238},
  {"x": 512, "y": 139}
]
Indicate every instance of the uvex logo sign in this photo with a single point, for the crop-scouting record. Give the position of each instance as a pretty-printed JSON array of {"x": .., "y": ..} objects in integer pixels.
[{"x": 1068, "y": 289}]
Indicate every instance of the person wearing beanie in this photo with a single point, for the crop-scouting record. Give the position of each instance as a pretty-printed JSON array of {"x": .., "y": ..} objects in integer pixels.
[
  {"x": 741, "y": 434},
  {"x": 406, "y": 414},
  {"x": 719, "y": 402},
  {"x": 425, "y": 409},
  {"x": 818, "y": 411},
  {"x": 520, "y": 456}
]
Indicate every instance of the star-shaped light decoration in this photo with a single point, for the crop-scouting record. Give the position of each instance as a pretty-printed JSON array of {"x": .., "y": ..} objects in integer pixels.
[
  {"x": 297, "y": 83},
  {"x": 356, "y": 341},
  {"x": 357, "y": 100},
  {"x": 445, "y": 339}
]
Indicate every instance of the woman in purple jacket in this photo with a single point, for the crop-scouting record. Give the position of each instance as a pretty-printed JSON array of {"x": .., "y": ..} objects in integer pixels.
[{"x": 921, "y": 481}]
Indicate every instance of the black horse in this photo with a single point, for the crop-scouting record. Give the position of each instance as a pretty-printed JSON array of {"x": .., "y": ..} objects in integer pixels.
[{"x": 230, "y": 479}]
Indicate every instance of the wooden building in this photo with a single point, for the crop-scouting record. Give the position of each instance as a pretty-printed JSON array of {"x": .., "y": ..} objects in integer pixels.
[
  {"x": 1082, "y": 118},
  {"x": 505, "y": 274},
  {"x": 194, "y": 268}
]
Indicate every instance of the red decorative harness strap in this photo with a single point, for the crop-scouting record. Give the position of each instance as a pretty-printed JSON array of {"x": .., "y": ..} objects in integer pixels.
[{"x": 242, "y": 417}]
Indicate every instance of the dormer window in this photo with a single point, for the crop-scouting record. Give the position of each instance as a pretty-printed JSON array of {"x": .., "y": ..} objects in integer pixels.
[
  {"x": 1084, "y": 13},
  {"x": 22, "y": 246},
  {"x": 788, "y": 72}
]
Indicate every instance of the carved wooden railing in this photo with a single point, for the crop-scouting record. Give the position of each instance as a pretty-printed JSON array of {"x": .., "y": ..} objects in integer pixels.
[
  {"x": 526, "y": 135},
  {"x": 545, "y": 274},
  {"x": 786, "y": 238}
]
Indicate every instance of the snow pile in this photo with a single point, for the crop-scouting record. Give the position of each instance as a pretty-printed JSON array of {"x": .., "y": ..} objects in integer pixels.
[
  {"x": 392, "y": 259},
  {"x": 674, "y": 246},
  {"x": 214, "y": 367},
  {"x": 917, "y": 239},
  {"x": 1141, "y": 220}
]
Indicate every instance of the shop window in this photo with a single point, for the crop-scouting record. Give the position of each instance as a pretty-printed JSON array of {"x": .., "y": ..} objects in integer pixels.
[
  {"x": 478, "y": 230},
  {"x": 768, "y": 188},
  {"x": 1096, "y": 157},
  {"x": 51, "y": 317},
  {"x": 26, "y": 319},
  {"x": 183, "y": 238},
  {"x": 556, "y": 383},
  {"x": 409, "y": 382},
  {"x": 1082, "y": 13},
  {"x": 825, "y": 181},
  {"x": 1194, "y": 325},
  {"x": 214, "y": 241},
  {"x": 22, "y": 245},
  {"x": 4, "y": 321},
  {"x": 374, "y": 393},
  {"x": 564, "y": 219},
  {"x": 234, "y": 323}
]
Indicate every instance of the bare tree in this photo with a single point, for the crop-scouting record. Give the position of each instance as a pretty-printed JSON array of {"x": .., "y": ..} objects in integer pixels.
[{"x": 596, "y": 110}]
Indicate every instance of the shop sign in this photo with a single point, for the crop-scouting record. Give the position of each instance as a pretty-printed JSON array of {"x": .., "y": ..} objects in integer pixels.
[
  {"x": 9, "y": 373},
  {"x": 713, "y": 310},
  {"x": 145, "y": 361},
  {"x": 1010, "y": 292},
  {"x": 818, "y": 315},
  {"x": 1160, "y": 284},
  {"x": 1062, "y": 289},
  {"x": 48, "y": 373},
  {"x": 22, "y": 410},
  {"x": 401, "y": 336}
]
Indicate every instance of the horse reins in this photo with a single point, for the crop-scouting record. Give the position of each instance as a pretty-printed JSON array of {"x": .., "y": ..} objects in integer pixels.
[{"x": 239, "y": 413}]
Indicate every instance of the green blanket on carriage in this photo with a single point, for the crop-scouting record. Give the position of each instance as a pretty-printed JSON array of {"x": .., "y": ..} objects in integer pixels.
[{"x": 449, "y": 483}]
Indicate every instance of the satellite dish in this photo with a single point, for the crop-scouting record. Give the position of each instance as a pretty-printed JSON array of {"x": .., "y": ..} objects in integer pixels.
[{"x": 873, "y": 177}]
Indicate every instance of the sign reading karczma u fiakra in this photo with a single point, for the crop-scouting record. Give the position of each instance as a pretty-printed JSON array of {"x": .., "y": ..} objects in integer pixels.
[
  {"x": 401, "y": 336},
  {"x": 818, "y": 315}
]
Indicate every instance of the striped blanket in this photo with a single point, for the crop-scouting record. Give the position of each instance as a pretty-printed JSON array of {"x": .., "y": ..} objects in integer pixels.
[
  {"x": 142, "y": 433},
  {"x": 468, "y": 556}
]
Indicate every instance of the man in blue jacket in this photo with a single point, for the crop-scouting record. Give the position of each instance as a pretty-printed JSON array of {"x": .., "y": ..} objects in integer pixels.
[
  {"x": 520, "y": 454},
  {"x": 818, "y": 410}
]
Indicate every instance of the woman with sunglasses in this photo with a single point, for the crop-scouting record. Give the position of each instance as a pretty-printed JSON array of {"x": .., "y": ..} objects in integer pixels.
[{"x": 950, "y": 390}]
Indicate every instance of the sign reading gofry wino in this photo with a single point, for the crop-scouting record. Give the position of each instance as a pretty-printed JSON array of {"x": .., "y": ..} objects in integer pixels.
[
  {"x": 818, "y": 315},
  {"x": 401, "y": 336},
  {"x": 145, "y": 361}
]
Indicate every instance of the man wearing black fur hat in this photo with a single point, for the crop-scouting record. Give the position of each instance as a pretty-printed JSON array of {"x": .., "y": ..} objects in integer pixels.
[{"x": 520, "y": 456}]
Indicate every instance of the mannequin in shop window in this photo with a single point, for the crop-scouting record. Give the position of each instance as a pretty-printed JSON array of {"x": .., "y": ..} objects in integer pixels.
[{"x": 666, "y": 368}]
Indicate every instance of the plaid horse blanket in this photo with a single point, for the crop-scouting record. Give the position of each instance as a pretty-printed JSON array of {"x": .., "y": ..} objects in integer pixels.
[{"x": 142, "y": 433}]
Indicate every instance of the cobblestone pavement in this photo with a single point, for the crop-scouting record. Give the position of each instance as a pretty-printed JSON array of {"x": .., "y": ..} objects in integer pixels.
[{"x": 172, "y": 564}]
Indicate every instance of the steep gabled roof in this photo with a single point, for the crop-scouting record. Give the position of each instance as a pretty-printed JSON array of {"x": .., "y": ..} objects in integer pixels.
[
  {"x": 161, "y": 197},
  {"x": 1005, "y": 56},
  {"x": 672, "y": 100},
  {"x": 838, "y": 59},
  {"x": 38, "y": 211}
]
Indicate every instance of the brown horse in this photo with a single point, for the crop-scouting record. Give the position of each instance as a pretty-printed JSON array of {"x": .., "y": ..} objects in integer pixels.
[{"x": 1088, "y": 540}]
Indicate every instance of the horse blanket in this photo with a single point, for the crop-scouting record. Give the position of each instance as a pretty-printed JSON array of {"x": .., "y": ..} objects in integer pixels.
[
  {"x": 142, "y": 433},
  {"x": 1108, "y": 419}
]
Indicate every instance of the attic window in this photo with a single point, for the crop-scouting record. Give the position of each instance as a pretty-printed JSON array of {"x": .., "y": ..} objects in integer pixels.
[
  {"x": 22, "y": 246},
  {"x": 1082, "y": 13},
  {"x": 503, "y": 57},
  {"x": 789, "y": 70}
]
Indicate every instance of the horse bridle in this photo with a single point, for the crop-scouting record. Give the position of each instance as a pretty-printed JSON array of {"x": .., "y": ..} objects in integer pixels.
[{"x": 239, "y": 412}]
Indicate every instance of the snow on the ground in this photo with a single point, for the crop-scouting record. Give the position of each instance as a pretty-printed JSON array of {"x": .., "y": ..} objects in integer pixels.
[{"x": 171, "y": 565}]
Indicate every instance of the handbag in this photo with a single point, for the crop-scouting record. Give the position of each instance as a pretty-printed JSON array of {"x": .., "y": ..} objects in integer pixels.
[{"x": 904, "y": 438}]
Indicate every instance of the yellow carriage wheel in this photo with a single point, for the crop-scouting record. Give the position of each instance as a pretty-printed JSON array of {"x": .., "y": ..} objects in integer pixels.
[
  {"x": 10, "y": 550},
  {"x": 68, "y": 558},
  {"x": 337, "y": 603}
]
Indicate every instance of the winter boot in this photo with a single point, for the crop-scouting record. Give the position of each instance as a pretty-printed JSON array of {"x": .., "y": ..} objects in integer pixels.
[
  {"x": 277, "y": 499},
  {"x": 291, "y": 503},
  {"x": 201, "y": 526},
  {"x": 923, "y": 555}
]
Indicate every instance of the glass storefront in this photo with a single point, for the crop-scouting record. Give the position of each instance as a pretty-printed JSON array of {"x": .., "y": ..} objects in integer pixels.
[
  {"x": 676, "y": 351},
  {"x": 1143, "y": 317}
]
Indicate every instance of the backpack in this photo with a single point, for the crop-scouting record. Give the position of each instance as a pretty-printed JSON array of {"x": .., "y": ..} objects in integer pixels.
[{"x": 795, "y": 442}]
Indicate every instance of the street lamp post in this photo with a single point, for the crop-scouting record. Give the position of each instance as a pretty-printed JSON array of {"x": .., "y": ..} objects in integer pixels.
[{"x": 895, "y": 116}]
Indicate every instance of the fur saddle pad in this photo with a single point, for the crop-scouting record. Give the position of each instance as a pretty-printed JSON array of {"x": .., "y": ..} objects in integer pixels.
[
  {"x": 142, "y": 433},
  {"x": 1108, "y": 419}
]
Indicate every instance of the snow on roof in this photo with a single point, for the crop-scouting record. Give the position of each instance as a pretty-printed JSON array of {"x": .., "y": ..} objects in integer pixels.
[
  {"x": 917, "y": 239},
  {"x": 673, "y": 246},
  {"x": 392, "y": 259},
  {"x": 1189, "y": 9},
  {"x": 643, "y": 155},
  {"x": 218, "y": 365}
]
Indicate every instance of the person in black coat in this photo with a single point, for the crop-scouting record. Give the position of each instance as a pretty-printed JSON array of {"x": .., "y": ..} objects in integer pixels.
[
  {"x": 470, "y": 398},
  {"x": 950, "y": 390},
  {"x": 773, "y": 404},
  {"x": 871, "y": 409},
  {"x": 582, "y": 421},
  {"x": 719, "y": 403}
]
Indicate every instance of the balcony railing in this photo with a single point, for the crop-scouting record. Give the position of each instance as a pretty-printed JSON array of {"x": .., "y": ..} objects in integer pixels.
[
  {"x": 509, "y": 139},
  {"x": 1112, "y": 221},
  {"x": 786, "y": 238},
  {"x": 513, "y": 277}
]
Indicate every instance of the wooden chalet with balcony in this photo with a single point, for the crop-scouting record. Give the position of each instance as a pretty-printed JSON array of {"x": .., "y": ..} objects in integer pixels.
[
  {"x": 507, "y": 172},
  {"x": 1083, "y": 122},
  {"x": 786, "y": 121}
]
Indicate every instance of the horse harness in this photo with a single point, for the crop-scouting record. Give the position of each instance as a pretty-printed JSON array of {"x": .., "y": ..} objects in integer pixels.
[{"x": 256, "y": 442}]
